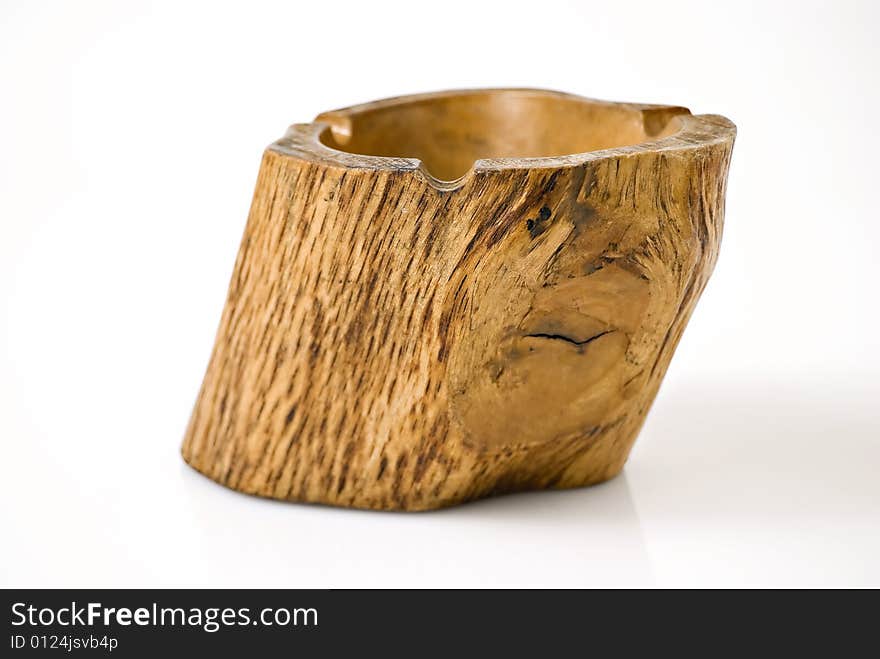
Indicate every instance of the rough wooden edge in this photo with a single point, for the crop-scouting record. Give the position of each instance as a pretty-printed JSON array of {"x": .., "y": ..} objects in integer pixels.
[{"x": 303, "y": 140}]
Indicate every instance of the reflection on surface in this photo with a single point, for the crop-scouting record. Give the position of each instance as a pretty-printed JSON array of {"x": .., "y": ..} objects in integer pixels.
[
  {"x": 595, "y": 530},
  {"x": 513, "y": 540}
]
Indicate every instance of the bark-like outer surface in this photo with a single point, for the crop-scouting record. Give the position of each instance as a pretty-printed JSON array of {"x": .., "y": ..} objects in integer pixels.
[{"x": 390, "y": 341}]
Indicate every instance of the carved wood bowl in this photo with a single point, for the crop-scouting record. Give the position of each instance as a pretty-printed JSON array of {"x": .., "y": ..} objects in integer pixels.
[{"x": 447, "y": 296}]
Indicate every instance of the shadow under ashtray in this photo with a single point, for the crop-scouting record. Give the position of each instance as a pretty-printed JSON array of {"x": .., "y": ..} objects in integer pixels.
[{"x": 595, "y": 530}]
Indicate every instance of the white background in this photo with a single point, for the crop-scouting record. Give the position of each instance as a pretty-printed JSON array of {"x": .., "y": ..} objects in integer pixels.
[{"x": 130, "y": 138}]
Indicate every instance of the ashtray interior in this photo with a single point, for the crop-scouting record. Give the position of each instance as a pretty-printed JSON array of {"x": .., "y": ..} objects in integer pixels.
[{"x": 448, "y": 133}]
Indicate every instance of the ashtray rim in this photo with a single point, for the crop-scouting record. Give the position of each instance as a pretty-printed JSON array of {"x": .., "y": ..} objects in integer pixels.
[{"x": 304, "y": 140}]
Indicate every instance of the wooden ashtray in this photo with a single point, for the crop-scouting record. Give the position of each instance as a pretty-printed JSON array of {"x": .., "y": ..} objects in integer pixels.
[{"x": 447, "y": 296}]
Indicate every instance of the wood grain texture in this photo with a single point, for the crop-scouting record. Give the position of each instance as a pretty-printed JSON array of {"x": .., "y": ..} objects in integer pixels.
[{"x": 433, "y": 303}]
